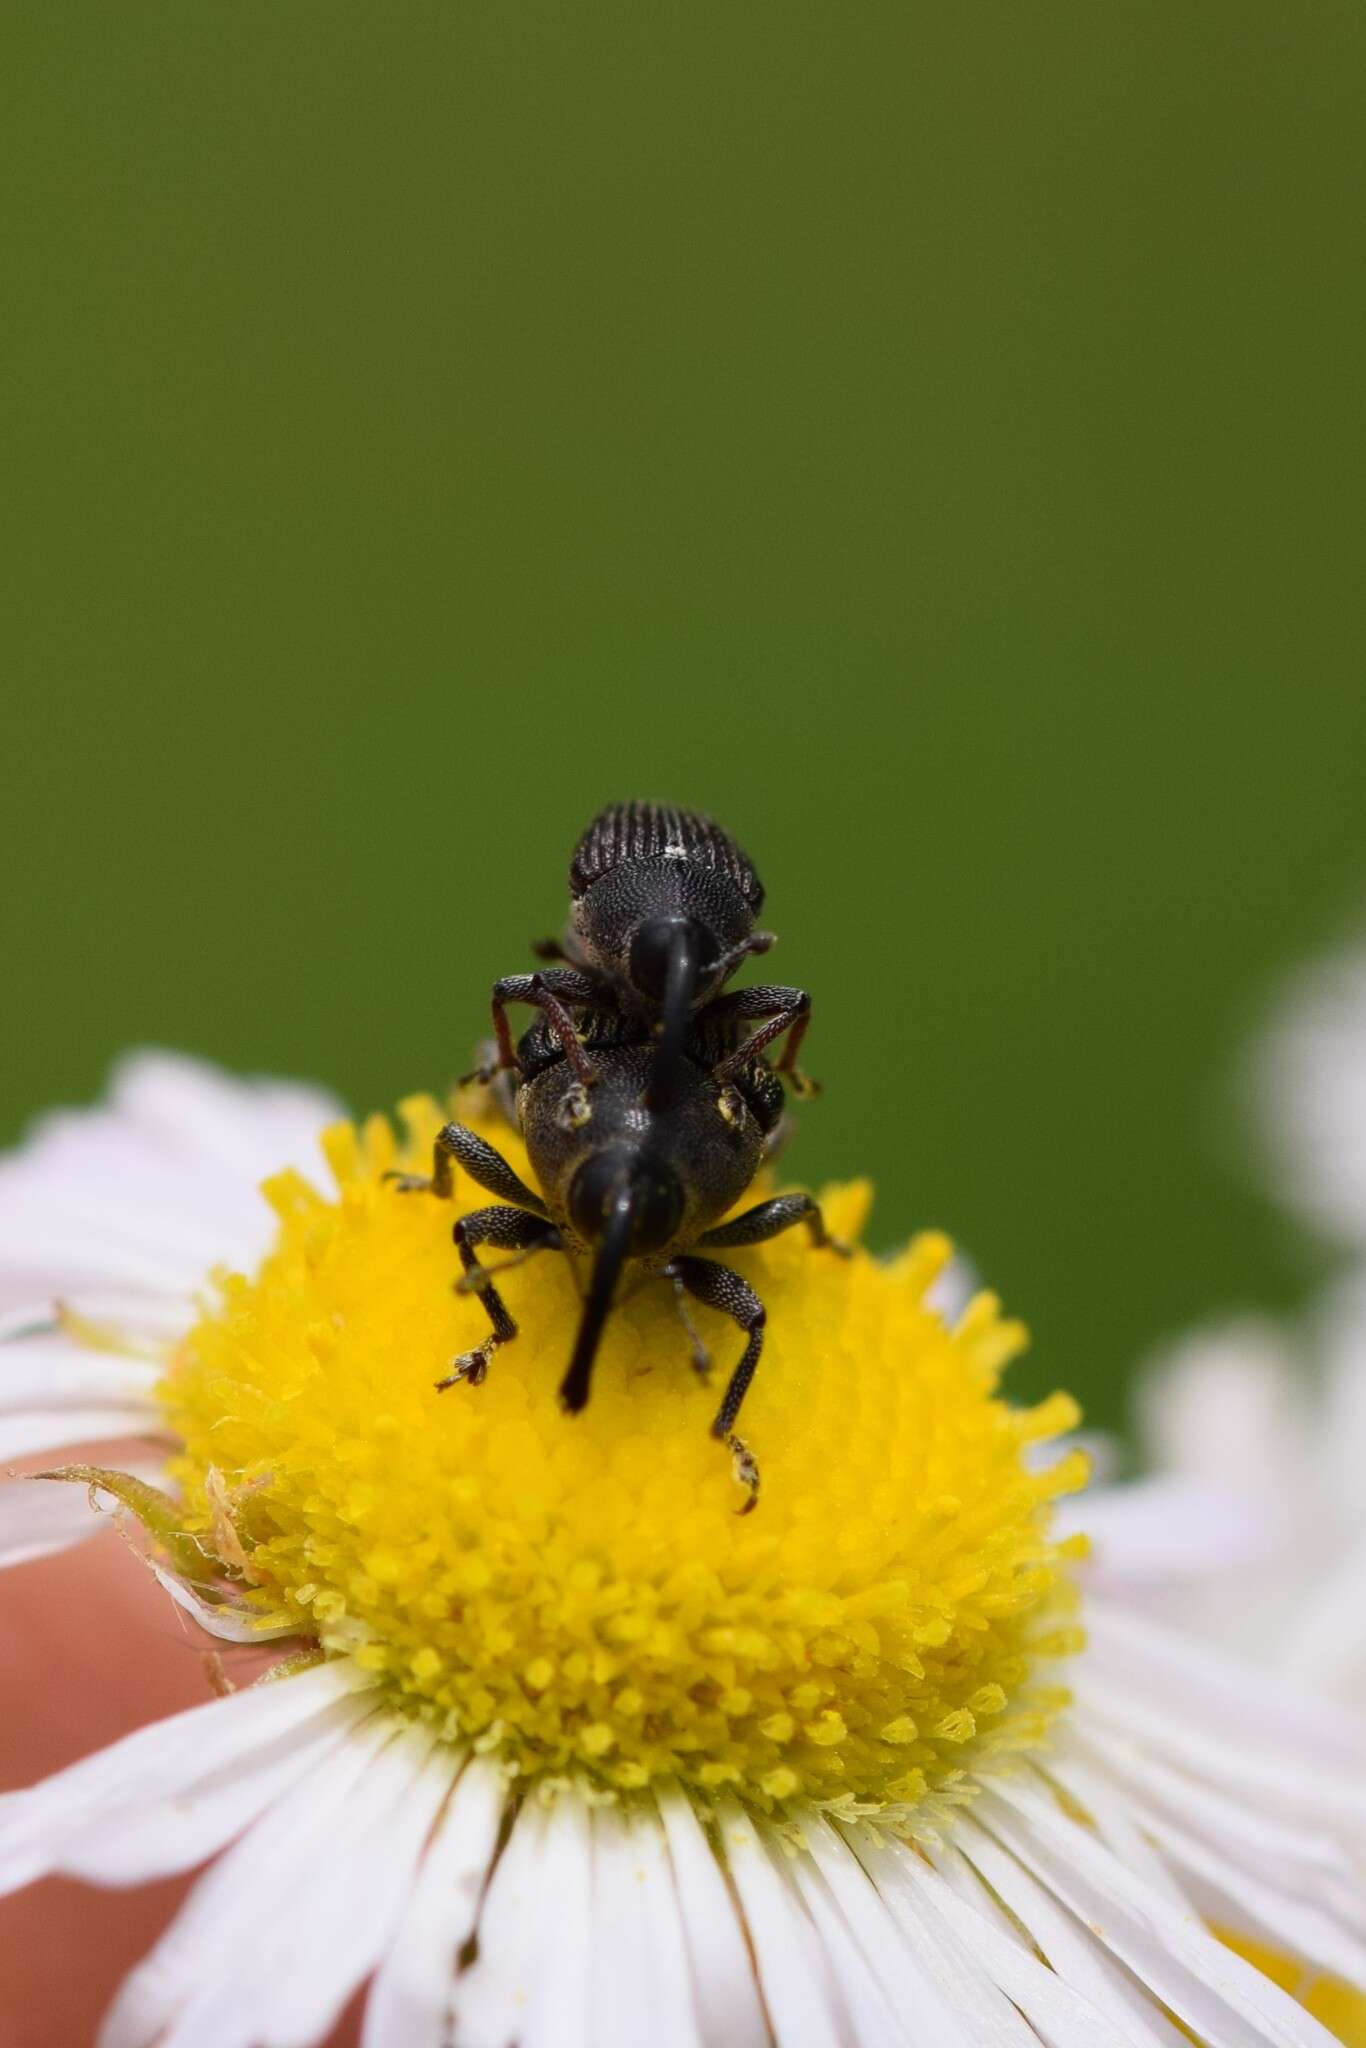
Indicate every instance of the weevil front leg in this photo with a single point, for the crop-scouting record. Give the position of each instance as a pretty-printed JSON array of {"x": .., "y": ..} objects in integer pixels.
[
  {"x": 454, "y": 1142},
  {"x": 783, "y": 1010},
  {"x": 511, "y": 1230},
  {"x": 722, "y": 1289},
  {"x": 549, "y": 991},
  {"x": 770, "y": 1219}
]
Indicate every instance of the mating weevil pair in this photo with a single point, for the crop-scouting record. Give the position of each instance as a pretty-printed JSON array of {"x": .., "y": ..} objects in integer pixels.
[{"x": 645, "y": 1108}]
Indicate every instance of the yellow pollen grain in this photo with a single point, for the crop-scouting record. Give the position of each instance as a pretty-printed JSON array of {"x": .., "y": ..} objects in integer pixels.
[{"x": 578, "y": 1593}]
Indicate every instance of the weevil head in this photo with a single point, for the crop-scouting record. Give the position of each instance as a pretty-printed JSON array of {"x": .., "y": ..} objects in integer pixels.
[
  {"x": 647, "y": 879},
  {"x": 686, "y": 1160}
]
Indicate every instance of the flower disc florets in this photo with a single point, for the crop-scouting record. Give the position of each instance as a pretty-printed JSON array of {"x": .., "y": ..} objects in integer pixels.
[{"x": 578, "y": 1595}]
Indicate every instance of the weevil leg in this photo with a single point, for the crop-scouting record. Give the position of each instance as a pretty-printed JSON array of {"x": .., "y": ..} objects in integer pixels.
[
  {"x": 481, "y": 1163},
  {"x": 783, "y": 1010},
  {"x": 779, "y": 1138},
  {"x": 758, "y": 942},
  {"x": 701, "y": 1357},
  {"x": 510, "y": 1230},
  {"x": 770, "y": 1219},
  {"x": 722, "y": 1289},
  {"x": 549, "y": 991}
]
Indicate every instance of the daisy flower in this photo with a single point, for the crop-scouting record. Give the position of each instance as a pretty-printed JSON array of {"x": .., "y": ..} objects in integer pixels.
[
  {"x": 1265, "y": 1429},
  {"x": 1259, "y": 1426},
  {"x": 560, "y": 1749}
]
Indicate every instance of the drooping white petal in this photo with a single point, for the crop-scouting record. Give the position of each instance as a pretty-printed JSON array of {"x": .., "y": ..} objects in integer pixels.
[
  {"x": 413, "y": 1995},
  {"x": 799, "y": 1990},
  {"x": 725, "y": 1993},
  {"x": 40, "y": 1516},
  {"x": 276, "y": 1937},
  {"x": 48, "y": 1826},
  {"x": 160, "y": 1836},
  {"x": 1223, "y": 2000},
  {"x": 532, "y": 1979},
  {"x": 219, "y": 1617},
  {"x": 312, "y": 1962},
  {"x": 206, "y": 1981}
]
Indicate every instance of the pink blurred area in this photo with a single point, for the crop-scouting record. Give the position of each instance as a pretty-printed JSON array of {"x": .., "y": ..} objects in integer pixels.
[{"x": 90, "y": 1648}]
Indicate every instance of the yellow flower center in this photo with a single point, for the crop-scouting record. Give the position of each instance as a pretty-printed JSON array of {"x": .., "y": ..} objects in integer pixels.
[{"x": 577, "y": 1593}]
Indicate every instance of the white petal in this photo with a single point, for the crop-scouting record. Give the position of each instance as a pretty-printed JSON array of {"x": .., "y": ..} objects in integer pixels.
[
  {"x": 531, "y": 1981},
  {"x": 316, "y": 1956},
  {"x": 1279, "y": 1883},
  {"x": 1070, "y": 1947},
  {"x": 1111, "y": 1812},
  {"x": 1222, "y": 1999},
  {"x": 43, "y": 1828},
  {"x": 804, "y": 2008},
  {"x": 146, "y": 1194},
  {"x": 1193, "y": 1686},
  {"x": 938, "y": 1991},
  {"x": 725, "y": 1993},
  {"x": 1325, "y": 1648},
  {"x": 1225, "y": 1407},
  {"x": 1295, "y": 1779},
  {"x": 1165, "y": 1530},
  {"x": 219, "y": 1617},
  {"x": 201, "y": 1983},
  {"x": 248, "y": 1127},
  {"x": 1308, "y": 1085},
  {"x": 53, "y": 1429},
  {"x": 277, "y": 1936},
  {"x": 642, "y": 1982},
  {"x": 864, "y": 1990},
  {"x": 53, "y": 1371},
  {"x": 154, "y": 1319},
  {"x": 39, "y": 1516},
  {"x": 413, "y": 1995},
  {"x": 1085, "y": 2001},
  {"x": 166, "y": 1834}
]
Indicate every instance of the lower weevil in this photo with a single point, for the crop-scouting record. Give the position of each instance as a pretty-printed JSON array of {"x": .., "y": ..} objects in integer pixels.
[{"x": 641, "y": 1165}]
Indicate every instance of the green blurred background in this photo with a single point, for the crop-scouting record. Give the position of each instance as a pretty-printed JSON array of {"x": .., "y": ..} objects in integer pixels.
[{"x": 929, "y": 438}]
